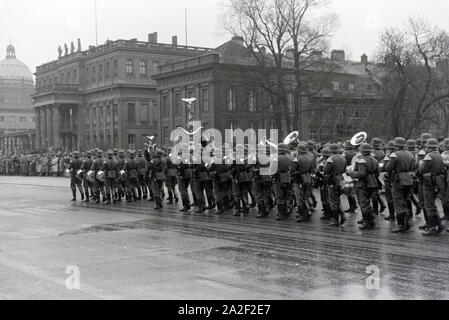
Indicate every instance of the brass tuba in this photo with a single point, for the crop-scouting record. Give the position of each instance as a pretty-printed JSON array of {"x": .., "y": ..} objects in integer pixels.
[
  {"x": 359, "y": 139},
  {"x": 292, "y": 138}
]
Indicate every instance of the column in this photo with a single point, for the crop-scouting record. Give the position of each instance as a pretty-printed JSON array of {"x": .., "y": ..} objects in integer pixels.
[
  {"x": 56, "y": 127},
  {"x": 44, "y": 138},
  {"x": 38, "y": 128},
  {"x": 50, "y": 127}
]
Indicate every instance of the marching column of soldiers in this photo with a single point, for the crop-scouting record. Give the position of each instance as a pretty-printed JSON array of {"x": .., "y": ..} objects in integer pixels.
[{"x": 411, "y": 174}]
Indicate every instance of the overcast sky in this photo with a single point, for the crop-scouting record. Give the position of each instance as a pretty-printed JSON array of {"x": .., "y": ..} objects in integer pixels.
[{"x": 38, "y": 27}]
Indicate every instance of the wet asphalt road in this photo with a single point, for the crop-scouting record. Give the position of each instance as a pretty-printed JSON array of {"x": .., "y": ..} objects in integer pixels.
[{"x": 129, "y": 251}]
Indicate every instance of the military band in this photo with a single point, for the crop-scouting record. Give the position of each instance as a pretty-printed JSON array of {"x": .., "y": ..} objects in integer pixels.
[{"x": 408, "y": 174}]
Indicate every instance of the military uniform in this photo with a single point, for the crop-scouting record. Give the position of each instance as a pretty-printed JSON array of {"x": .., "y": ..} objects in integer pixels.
[
  {"x": 400, "y": 169},
  {"x": 388, "y": 182},
  {"x": 240, "y": 186},
  {"x": 366, "y": 172},
  {"x": 97, "y": 164},
  {"x": 349, "y": 155},
  {"x": 110, "y": 168},
  {"x": 263, "y": 188},
  {"x": 130, "y": 167},
  {"x": 282, "y": 182},
  {"x": 142, "y": 188},
  {"x": 379, "y": 155},
  {"x": 158, "y": 176},
  {"x": 433, "y": 170},
  {"x": 172, "y": 181},
  {"x": 322, "y": 185},
  {"x": 122, "y": 177},
  {"x": 87, "y": 185},
  {"x": 333, "y": 170},
  {"x": 74, "y": 166},
  {"x": 301, "y": 169}
]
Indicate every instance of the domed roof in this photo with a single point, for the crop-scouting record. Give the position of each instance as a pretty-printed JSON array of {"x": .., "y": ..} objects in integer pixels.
[{"x": 13, "y": 69}]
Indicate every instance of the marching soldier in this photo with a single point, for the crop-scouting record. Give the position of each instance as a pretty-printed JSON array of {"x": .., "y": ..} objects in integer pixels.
[
  {"x": 282, "y": 182},
  {"x": 142, "y": 188},
  {"x": 263, "y": 188},
  {"x": 411, "y": 147},
  {"x": 333, "y": 170},
  {"x": 388, "y": 182},
  {"x": 74, "y": 166},
  {"x": 86, "y": 166},
  {"x": 97, "y": 164},
  {"x": 240, "y": 184},
  {"x": 122, "y": 177},
  {"x": 203, "y": 184},
  {"x": 110, "y": 169},
  {"x": 433, "y": 171},
  {"x": 379, "y": 155},
  {"x": 172, "y": 181},
  {"x": 186, "y": 180},
  {"x": 400, "y": 168},
  {"x": 349, "y": 155},
  {"x": 301, "y": 168},
  {"x": 366, "y": 172},
  {"x": 322, "y": 185},
  {"x": 158, "y": 174},
  {"x": 130, "y": 167}
]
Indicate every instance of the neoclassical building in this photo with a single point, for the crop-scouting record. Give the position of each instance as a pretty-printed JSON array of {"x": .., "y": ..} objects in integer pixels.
[
  {"x": 104, "y": 96},
  {"x": 17, "y": 118}
]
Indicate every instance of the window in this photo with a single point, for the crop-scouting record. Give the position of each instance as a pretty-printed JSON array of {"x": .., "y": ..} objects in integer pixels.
[
  {"x": 290, "y": 99},
  {"x": 166, "y": 135},
  {"x": 68, "y": 78},
  {"x": 252, "y": 101},
  {"x": 178, "y": 104},
  {"x": 115, "y": 113},
  {"x": 165, "y": 111},
  {"x": 101, "y": 115},
  {"x": 335, "y": 85},
  {"x": 131, "y": 141},
  {"x": 129, "y": 67},
  {"x": 87, "y": 117},
  {"x": 232, "y": 125},
  {"x": 115, "y": 68},
  {"x": 108, "y": 114},
  {"x": 205, "y": 100},
  {"x": 108, "y": 70},
  {"x": 94, "y": 116},
  {"x": 144, "y": 112},
  {"x": 351, "y": 86},
  {"x": 143, "y": 68},
  {"x": 153, "y": 112},
  {"x": 100, "y": 72},
  {"x": 231, "y": 100},
  {"x": 87, "y": 75},
  {"x": 75, "y": 76},
  {"x": 155, "y": 67},
  {"x": 94, "y": 74},
  {"x": 131, "y": 112}
]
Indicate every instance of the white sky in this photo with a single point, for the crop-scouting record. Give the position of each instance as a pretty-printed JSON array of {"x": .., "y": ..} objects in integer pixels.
[{"x": 38, "y": 27}]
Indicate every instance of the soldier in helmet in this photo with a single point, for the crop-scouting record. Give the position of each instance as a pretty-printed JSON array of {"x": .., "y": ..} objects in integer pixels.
[
  {"x": 98, "y": 185},
  {"x": 313, "y": 154},
  {"x": 159, "y": 175},
  {"x": 301, "y": 169},
  {"x": 433, "y": 170},
  {"x": 74, "y": 166},
  {"x": 142, "y": 188},
  {"x": 88, "y": 186},
  {"x": 349, "y": 155},
  {"x": 388, "y": 182},
  {"x": 186, "y": 178},
  {"x": 334, "y": 169},
  {"x": 412, "y": 148},
  {"x": 110, "y": 169},
  {"x": 263, "y": 187},
  {"x": 241, "y": 182},
  {"x": 172, "y": 178},
  {"x": 322, "y": 184},
  {"x": 130, "y": 167},
  {"x": 122, "y": 178},
  {"x": 445, "y": 157},
  {"x": 379, "y": 155},
  {"x": 366, "y": 172},
  {"x": 282, "y": 182},
  {"x": 400, "y": 169}
]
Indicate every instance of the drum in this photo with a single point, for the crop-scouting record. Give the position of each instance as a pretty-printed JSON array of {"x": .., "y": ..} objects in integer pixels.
[
  {"x": 80, "y": 174},
  {"x": 101, "y": 176},
  {"x": 68, "y": 173},
  {"x": 122, "y": 175},
  {"x": 91, "y": 176}
]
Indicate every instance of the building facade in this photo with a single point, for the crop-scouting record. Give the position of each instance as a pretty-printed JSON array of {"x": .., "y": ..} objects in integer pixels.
[
  {"x": 102, "y": 97},
  {"x": 227, "y": 83},
  {"x": 17, "y": 116}
]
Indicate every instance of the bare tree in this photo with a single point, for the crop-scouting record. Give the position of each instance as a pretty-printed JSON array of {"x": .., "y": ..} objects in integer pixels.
[
  {"x": 289, "y": 34},
  {"x": 412, "y": 84}
]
